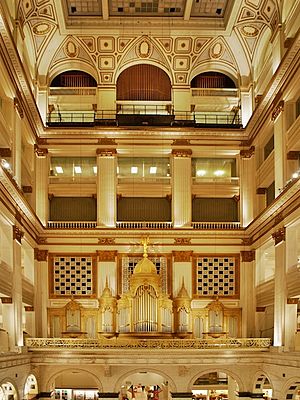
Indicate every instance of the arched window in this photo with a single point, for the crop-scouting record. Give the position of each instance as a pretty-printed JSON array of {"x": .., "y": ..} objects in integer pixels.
[
  {"x": 212, "y": 80},
  {"x": 73, "y": 79},
  {"x": 144, "y": 82}
]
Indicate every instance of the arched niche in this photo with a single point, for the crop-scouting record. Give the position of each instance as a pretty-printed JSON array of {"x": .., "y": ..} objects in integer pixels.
[
  {"x": 143, "y": 82},
  {"x": 212, "y": 79},
  {"x": 262, "y": 385},
  {"x": 8, "y": 391},
  {"x": 217, "y": 68},
  {"x": 62, "y": 68},
  {"x": 30, "y": 388},
  {"x": 73, "y": 78}
]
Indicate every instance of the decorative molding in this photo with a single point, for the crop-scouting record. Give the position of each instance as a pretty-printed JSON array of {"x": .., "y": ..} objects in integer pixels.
[
  {"x": 247, "y": 153},
  {"x": 247, "y": 241},
  {"x": 18, "y": 107},
  {"x": 248, "y": 255},
  {"x": 106, "y": 241},
  {"x": 292, "y": 300},
  {"x": 5, "y": 152},
  {"x": 182, "y": 241},
  {"x": 107, "y": 255},
  {"x": 41, "y": 240},
  {"x": 106, "y": 152},
  {"x": 17, "y": 234},
  {"x": 260, "y": 309},
  {"x": 236, "y": 198},
  {"x": 40, "y": 255},
  {"x": 279, "y": 236},
  {"x": 106, "y": 141},
  {"x": 182, "y": 256},
  {"x": 18, "y": 216},
  {"x": 293, "y": 155},
  {"x": 27, "y": 189},
  {"x": 261, "y": 190},
  {"x": 181, "y": 142},
  {"x": 6, "y": 300},
  {"x": 277, "y": 110},
  {"x": 182, "y": 152},
  {"x": 39, "y": 151},
  {"x": 29, "y": 308},
  {"x": 278, "y": 218}
]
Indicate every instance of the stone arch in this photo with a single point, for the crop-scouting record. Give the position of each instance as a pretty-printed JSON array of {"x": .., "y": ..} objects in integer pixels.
[
  {"x": 70, "y": 66},
  {"x": 208, "y": 66},
  {"x": 291, "y": 389},
  {"x": 122, "y": 378},
  {"x": 8, "y": 381},
  {"x": 155, "y": 57},
  {"x": 52, "y": 377},
  {"x": 260, "y": 380},
  {"x": 233, "y": 375},
  {"x": 28, "y": 388}
]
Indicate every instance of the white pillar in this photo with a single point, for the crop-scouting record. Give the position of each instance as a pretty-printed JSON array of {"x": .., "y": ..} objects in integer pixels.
[
  {"x": 182, "y": 101},
  {"x": 181, "y": 188},
  {"x": 17, "y": 286},
  {"x": 247, "y": 186},
  {"x": 246, "y": 104},
  {"x": 182, "y": 270},
  {"x": 277, "y": 48},
  {"x": 42, "y": 99},
  {"x": 279, "y": 148},
  {"x": 41, "y": 294},
  {"x": 280, "y": 286},
  {"x": 41, "y": 201},
  {"x": 106, "y": 98},
  {"x": 232, "y": 388},
  {"x": 107, "y": 269},
  {"x": 17, "y": 142},
  {"x": 290, "y": 324},
  {"x": 106, "y": 188},
  {"x": 247, "y": 288}
]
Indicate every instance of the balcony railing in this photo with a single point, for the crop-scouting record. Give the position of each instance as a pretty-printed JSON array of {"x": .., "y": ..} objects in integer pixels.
[
  {"x": 72, "y": 91},
  {"x": 72, "y": 224},
  {"x": 216, "y": 225},
  {"x": 143, "y": 115},
  {"x": 143, "y": 225},
  {"x": 227, "y": 92},
  {"x": 160, "y": 344}
]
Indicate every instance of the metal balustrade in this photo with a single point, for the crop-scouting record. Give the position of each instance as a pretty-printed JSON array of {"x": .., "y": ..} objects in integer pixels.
[
  {"x": 72, "y": 224},
  {"x": 143, "y": 224}
]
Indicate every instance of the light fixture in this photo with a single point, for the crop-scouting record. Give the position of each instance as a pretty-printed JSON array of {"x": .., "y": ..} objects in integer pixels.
[
  {"x": 77, "y": 169},
  {"x": 95, "y": 169},
  {"x": 5, "y": 164},
  {"x": 295, "y": 175},
  {"x": 59, "y": 170},
  {"x": 153, "y": 170},
  {"x": 219, "y": 172},
  {"x": 201, "y": 172},
  {"x": 134, "y": 170},
  {"x": 118, "y": 169}
]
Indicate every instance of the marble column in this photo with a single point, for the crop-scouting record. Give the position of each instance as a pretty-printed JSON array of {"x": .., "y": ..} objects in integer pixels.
[
  {"x": 17, "y": 286},
  {"x": 41, "y": 201},
  {"x": 181, "y": 188},
  {"x": 17, "y": 142},
  {"x": 279, "y": 148},
  {"x": 246, "y": 104},
  {"x": 107, "y": 270},
  {"x": 42, "y": 98},
  {"x": 277, "y": 47},
  {"x": 8, "y": 321},
  {"x": 290, "y": 323},
  {"x": 280, "y": 290},
  {"x": 232, "y": 388},
  {"x": 106, "y": 187},
  {"x": 182, "y": 271},
  {"x": 247, "y": 185},
  {"x": 41, "y": 291},
  {"x": 248, "y": 295}
]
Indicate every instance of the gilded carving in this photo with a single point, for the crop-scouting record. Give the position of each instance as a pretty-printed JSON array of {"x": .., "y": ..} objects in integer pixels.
[
  {"x": 40, "y": 255},
  {"x": 106, "y": 152},
  {"x": 107, "y": 255},
  {"x": 181, "y": 142},
  {"x": 247, "y": 241},
  {"x": 248, "y": 256},
  {"x": 182, "y": 256},
  {"x": 277, "y": 110},
  {"x": 106, "y": 141},
  {"x": 29, "y": 308},
  {"x": 182, "y": 152},
  {"x": 5, "y": 152},
  {"x": 18, "y": 107},
  {"x": 6, "y": 300},
  {"x": 279, "y": 236},
  {"x": 247, "y": 153},
  {"x": 17, "y": 234},
  {"x": 182, "y": 241},
  {"x": 106, "y": 241},
  {"x": 39, "y": 151}
]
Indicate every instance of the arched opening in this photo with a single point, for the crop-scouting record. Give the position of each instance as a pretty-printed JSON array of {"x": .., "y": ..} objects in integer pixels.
[
  {"x": 215, "y": 99},
  {"x": 76, "y": 384},
  {"x": 72, "y": 98},
  {"x": 30, "y": 388},
  {"x": 8, "y": 391},
  {"x": 144, "y": 385},
  {"x": 214, "y": 385},
  {"x": 263, "y": 386},
  {"x": 144, "y": 96},
  {"x": 293, "y": 391}
]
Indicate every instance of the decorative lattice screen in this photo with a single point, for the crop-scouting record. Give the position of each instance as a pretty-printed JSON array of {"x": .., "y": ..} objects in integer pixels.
[
  {"x": 72, "y": 276},
  {"x": 217, "y": 276}
]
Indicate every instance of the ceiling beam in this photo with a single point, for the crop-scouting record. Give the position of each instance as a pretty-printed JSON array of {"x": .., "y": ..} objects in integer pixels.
[
  {"x": 105, "y": 9},
  {"x": 188, "y": 9}
]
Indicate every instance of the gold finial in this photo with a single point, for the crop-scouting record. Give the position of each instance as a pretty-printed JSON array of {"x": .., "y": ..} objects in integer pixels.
[{"x": 145, "y": 241}]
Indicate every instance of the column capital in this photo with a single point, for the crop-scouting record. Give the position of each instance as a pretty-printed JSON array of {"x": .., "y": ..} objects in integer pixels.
[
  {"x": 104, "y": 255},
  {"x": 293, "y": 155},
  {"x": 5, "y": 152},
  {"x": 248, "y": 153},
  {"x": 29, "y": 308},
  {"x": 39, "y": 151},
  {"x": 40, "y": 255},
  {"x": 106, "y": 152},
  {"x": 182, "y": 152},
  {"x": 277, "y": 110},
  {"x": 182, "y": 256},
  {"x": 292, "y": 300},
  {"x": 17, "y": 234},
  {"x": 248, "y": 256},
  {"x": 6, "y": 300},
  {"x": 279, "y": 236}
]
